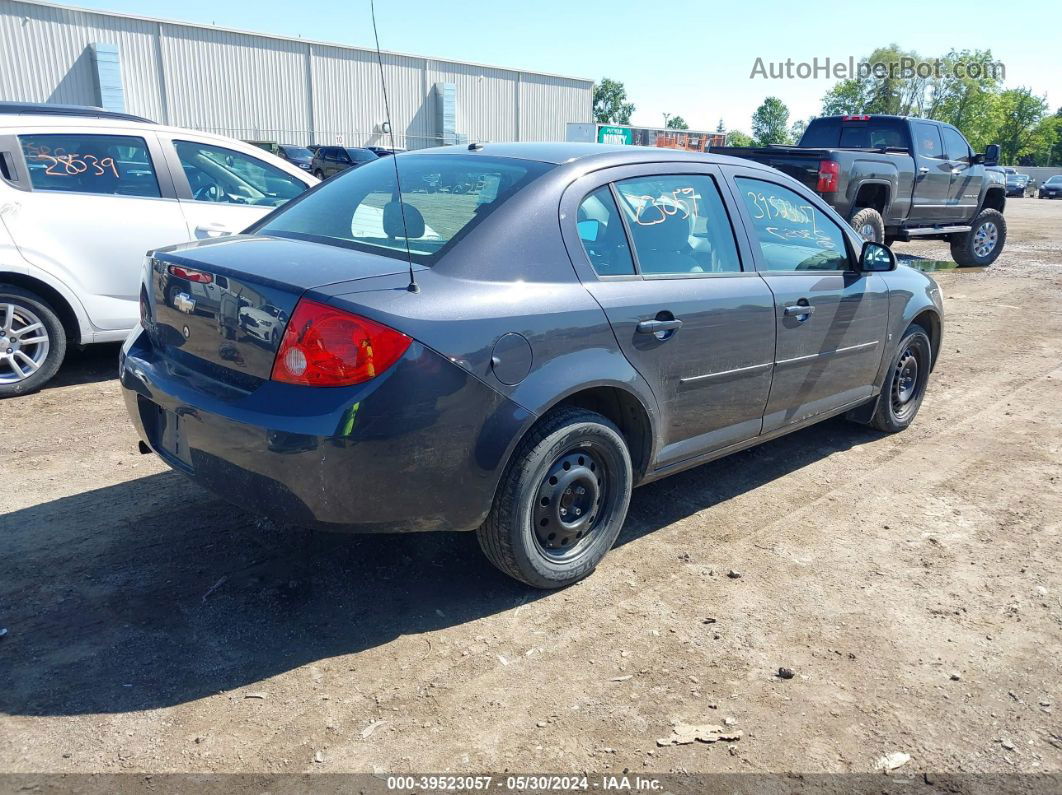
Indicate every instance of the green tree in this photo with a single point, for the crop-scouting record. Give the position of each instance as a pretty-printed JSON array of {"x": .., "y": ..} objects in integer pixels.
[
  {"x": 676, "y": 123},
  {"x": 738, "y": 138},
  {"x": 882, "y": 90},
  {"x": 968, "y": 103},
  {"x": 1020, "y": 112},
  {"x": 797, "y": 129},
  {"x": 610, "y": 103},
  {"x": 770, "y": 122},
  {"x": 1044, "y": 143}
]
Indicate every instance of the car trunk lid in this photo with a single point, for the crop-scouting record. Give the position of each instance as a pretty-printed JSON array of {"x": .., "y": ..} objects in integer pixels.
[{"x": 221, "y": 307}]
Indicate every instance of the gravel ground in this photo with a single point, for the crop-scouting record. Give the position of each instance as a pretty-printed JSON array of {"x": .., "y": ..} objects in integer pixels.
[{"x": 912, "y": 584}]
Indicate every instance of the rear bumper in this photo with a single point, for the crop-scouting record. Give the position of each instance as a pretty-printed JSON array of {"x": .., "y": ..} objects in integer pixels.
[{"x": 421, "y": 447}]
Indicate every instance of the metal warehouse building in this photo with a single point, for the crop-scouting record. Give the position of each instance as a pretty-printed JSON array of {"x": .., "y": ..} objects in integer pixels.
[{"x": 263, "y": 87}]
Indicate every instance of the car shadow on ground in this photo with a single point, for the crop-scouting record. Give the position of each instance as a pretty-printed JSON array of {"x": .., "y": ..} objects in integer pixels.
[
  {"x": 88, "y": 365},
  {"x": 152, "y": 593}
]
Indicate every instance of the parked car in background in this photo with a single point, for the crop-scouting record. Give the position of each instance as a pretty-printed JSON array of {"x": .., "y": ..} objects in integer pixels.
[
  {"x": 331, "y": 160},
  {"x": 1051, "y": 188},
  {"x": 380, "y": 151},
  {"x": 898, "y": 178},
  {"x": 586, "y": 319},
  {"x": 84, "y": 194},
  {"x": 1017, "y": 183},
  {"x": 296, "y": 155}
]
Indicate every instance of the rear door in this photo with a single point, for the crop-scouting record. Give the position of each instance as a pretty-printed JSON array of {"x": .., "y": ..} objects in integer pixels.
[
  {"x": 830, "y": 320},
  {"x": 98, "y": 200},
  {"x": 655, "y": 246},
  {"x": 931, "y": 199},
  {"x": 222, "y": 191}
]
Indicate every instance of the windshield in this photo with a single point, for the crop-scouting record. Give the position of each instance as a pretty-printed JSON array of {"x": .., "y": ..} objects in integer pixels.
[
  {"x": 1055, "y": 180},
  {"x": 444, "y": 197},
  {"x": 298, "y": 151},
  {"x": 361, "y": 155}
]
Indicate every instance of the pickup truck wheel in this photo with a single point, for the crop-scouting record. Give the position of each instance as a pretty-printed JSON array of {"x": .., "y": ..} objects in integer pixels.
[
  {"x": 32, "y": 341},
  {"x": 905, "y": 384},
  {"x": 869, "y": 224},
  {"x": 983, "y": 243},
  {"x": 561, "y": 502}
]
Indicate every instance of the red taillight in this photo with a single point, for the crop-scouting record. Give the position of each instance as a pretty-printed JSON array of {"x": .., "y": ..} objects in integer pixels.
[
  {"x": 325, "y": 346},
  {"x": 829, "y": 176},
  {"x": 856, "y": 118},
  {"x": 199, "y": 277}
]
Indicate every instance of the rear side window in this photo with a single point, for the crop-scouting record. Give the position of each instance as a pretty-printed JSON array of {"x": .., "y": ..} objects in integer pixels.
[
  {"x": 601, "y": 232},
  {"x": 927, "y": 139},
  {"x": 216, "y": 174},
  {"x": 678, "y": 225},
  {"x": 116, "y": 165},
  {"x": 443, "y": 197},
  {"x": 792, "y": 233}
]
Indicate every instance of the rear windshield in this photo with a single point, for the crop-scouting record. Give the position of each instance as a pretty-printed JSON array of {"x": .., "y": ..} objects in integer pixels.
[
  {"x": 872, "y": 134},
  {"x": 443, "y": 198},
  {"x": 297, "y": 151}
]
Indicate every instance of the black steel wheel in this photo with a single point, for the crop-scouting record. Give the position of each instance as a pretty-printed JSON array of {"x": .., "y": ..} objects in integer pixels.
[
  {"x": 562, "y": 500},
  {"x": 905, "y": 383}
]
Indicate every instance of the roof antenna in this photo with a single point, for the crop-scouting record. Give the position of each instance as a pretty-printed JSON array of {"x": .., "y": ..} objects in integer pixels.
[{"x": 413, "y": 286}]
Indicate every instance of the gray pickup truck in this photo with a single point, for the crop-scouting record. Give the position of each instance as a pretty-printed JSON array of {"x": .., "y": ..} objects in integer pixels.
[{"x": 898, "y": 178}]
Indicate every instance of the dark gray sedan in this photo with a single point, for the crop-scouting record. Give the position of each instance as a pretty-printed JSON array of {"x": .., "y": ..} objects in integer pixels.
[{"x": 514, "y": 359}]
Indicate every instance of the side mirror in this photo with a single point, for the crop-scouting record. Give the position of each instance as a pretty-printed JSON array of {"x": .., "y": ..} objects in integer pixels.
[
  {"x": 876, "y": 258},
  {"x": 991, "y": 155}
]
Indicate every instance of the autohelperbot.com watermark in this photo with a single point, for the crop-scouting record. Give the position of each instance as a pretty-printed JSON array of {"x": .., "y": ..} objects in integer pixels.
[{"x": 851, "y": 68}]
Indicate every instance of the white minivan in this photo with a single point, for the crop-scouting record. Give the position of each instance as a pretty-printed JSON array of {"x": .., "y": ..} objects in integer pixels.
[{"x": 84, "y": 194}]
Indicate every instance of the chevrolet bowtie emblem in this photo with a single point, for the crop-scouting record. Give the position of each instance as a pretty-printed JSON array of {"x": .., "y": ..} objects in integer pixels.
[{"x": 184, "y": 303}]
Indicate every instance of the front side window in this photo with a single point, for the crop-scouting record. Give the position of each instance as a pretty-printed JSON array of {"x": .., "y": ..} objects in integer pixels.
[
  {"x": 955, "y": 145},
  {"x": 443, "y": 197},
  {"x": 793, "y": 234},
  {"x": 678, "y": 225},
  {"x": 216, "y": 174},
  {"x": 927, "y": 140},
  {"x": 117, "y": 165},
  {"x": 601, "y": 232}
]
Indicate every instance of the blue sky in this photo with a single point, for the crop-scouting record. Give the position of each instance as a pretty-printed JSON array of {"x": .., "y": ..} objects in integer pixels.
[{"x": 692, "y": 59}]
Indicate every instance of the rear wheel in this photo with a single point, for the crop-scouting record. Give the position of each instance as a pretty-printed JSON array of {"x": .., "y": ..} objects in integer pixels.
[
  {"x": 869, "y": 224},
  {"x": 983, "y": 243},
  {"x": 905, "y": 384},
  {"x": 561, "y": 502},
  {"x": 319, "y": 174},
  {"x": 32, "y": 341}
]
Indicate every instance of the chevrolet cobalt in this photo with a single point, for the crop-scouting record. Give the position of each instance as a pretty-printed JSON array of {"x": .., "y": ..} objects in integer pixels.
[{"x": 512, "y": 359}]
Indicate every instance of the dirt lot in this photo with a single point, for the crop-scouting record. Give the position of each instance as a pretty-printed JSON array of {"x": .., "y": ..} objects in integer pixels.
[{"x": 913, "y": 583}]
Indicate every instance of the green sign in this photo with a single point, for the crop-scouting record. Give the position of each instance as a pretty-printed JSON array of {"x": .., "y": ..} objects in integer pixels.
[{"x": 615, "y": 135}]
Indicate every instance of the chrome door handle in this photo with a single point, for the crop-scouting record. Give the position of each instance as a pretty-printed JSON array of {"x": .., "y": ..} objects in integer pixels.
[
  {"x": 799, "y": 309},
  {"x": 923, "y": 170},
  {"x": 211, "y": 230},
  {"x": 654, "y": 326}
]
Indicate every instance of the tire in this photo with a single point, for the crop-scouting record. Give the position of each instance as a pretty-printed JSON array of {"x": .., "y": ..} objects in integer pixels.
[
  {"x": 965, "y": 247},
  {"x": 568, "y": 450},
  {"x": 902, "y": 392},
  {"x": 869, "y": 224},
  {"x": 319, "y": 174},
  {"x": 23, "y": 312}
]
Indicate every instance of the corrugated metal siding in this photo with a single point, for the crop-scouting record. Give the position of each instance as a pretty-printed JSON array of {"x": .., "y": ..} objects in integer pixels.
[
  {"x": 271, "y": 88},
  {"x": 44, "y": 56}
]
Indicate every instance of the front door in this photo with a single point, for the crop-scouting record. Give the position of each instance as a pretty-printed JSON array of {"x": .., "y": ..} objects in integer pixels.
[
  {"x": 659, "y": 255},
  {"x": 831, "y": 320},
  {"x": 931, "y": 197},
  {"x": 965, "y": 192},
  {"x": 223, "y": 191},
  {"x": 98, "y": 203}
]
